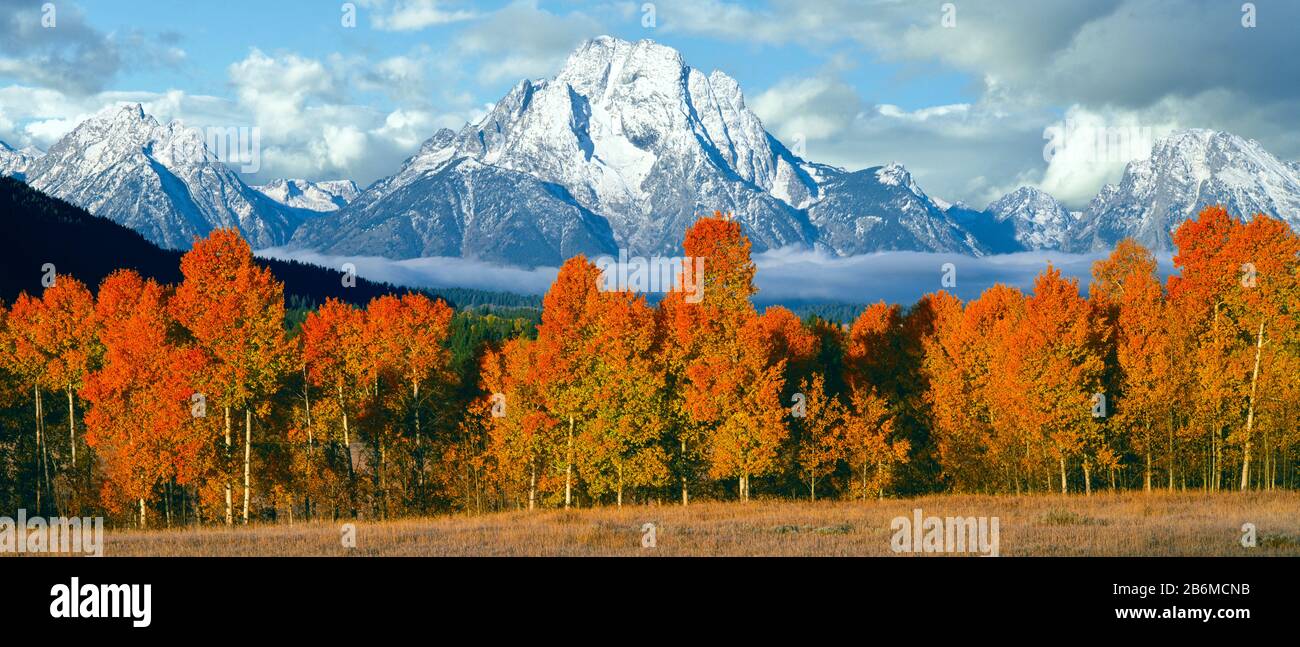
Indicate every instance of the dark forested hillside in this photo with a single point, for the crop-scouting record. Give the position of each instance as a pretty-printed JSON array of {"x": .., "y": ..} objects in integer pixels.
[{"x": 40, "y": 229}]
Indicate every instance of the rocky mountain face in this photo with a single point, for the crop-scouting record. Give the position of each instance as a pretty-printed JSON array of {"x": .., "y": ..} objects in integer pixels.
[
  {"x": 160, "y": 180},
  {"x": 465, "y": 209},
  {"x": 882, "y": 208}
]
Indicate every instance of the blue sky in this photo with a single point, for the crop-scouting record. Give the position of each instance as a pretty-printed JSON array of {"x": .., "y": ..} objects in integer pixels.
[
  {"x": 961, "y": 94},
  {"x": 215, "y": 34}
]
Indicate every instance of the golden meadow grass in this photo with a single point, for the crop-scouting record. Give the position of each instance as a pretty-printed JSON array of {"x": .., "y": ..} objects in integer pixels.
[{"x": 1125, "y": 524}]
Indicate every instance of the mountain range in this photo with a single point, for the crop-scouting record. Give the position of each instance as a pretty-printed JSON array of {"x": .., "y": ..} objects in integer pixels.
[
  {"x": 161, "y": 181},
  {"x": 624, "y": 148},
  {"x": 1188, "y": 170}
]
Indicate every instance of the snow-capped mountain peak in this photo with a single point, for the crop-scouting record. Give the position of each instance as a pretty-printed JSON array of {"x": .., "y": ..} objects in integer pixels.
[
  {"x": 627, "y": 133},
  {"x": 161, "y": 180},
  {"x": 327, "y": 195},
  {"x": 1188, "y": 170},
  {"x": 895, "y": 174},
  {"x": 1037, "y": 219}
]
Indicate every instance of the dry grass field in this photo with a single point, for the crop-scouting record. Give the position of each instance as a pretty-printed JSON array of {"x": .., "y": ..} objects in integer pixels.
[{"x": 1162, "y": 524}]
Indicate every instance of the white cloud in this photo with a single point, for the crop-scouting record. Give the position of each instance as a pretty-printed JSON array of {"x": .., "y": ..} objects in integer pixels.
[
  {"x": 344, "y": 145},
  {"x": 1142, "y": 61},
  {"x": 787, "y": 275},
  {"x": 510, "y": 52},
  {"x": 953, "y": 150},
  {"x": 791, "y": 275},
  {"x": 72, "y": 57},
  {"x": 814, "y": 108},
  {"x": 315, "y": 118},
  {"x": 40, "y": 116},
  {"x": 275, "y": 89},
  {"x": 1089, "y": 148},
  {"x": 316, "y": 125},
  {"x": 431, "y": 272},
  {"x": 407, "y": 128},
  {"x": 413, "y": 15}
]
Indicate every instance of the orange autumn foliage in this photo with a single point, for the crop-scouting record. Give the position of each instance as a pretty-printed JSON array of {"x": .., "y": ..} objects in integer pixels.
[
  {"x": 399, "y": 407},
  {"x": 140, "y": 421}
]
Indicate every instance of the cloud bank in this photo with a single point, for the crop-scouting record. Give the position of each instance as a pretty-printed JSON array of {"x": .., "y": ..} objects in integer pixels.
[
  {"x": 785, "y": 276},
  {"x": 432, "y": 272},
  {"x": 1033, "y": 65}
]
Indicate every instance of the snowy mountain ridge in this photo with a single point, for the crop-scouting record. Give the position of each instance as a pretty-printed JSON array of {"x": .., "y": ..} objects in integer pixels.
[
  {"x": 624, "y": 148},
  {"x": 1188, "y": 170},
  {"x": 635, "y": 145},
  {"x": 161, "y": 180}
]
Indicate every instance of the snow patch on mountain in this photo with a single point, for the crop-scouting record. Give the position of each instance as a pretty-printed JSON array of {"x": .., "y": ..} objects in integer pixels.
[{"x": 14, "y": 162}]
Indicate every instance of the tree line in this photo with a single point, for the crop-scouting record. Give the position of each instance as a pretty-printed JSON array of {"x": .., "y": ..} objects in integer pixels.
[{"x": 208, "y": 401}]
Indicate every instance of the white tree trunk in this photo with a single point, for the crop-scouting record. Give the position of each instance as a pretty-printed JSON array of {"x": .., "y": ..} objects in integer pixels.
[
  {"x": 230, "y": 508},
  {"x": 568, "y": 468},
  {"x": 1148, "y": 475},
  {"x": 1250, "y": 415},
  {"x": 248, "y": 452},
  {"x": 532, "y": 487},
  {"x": 72, "y": 428},
  {"x": 37, "y": 390},
  {"x": 1063, "y": 486},
  {"x": 685, "y": 496}
]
